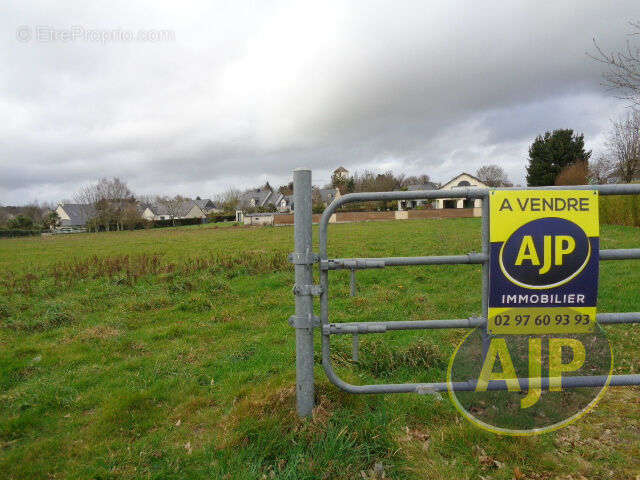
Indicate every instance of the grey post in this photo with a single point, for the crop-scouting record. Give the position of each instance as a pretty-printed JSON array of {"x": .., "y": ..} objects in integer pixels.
[
  {"x": 486, "y": 251},
  {"x": 304, "y": 301}
]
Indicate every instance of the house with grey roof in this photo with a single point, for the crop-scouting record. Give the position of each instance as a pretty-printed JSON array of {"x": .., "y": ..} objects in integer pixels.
[
  {"x": 264, "y": 197},
  {"x": 75, "y": 214},
  {"x": 207, "y": 205},
  {"x": 328, "y": 195},
  {"x": 256, "y": 198},
  {"x": 166, "y": 210}
]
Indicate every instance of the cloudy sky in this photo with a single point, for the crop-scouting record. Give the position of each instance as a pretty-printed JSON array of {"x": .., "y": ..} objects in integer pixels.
[{"x": 236, "y": 93}]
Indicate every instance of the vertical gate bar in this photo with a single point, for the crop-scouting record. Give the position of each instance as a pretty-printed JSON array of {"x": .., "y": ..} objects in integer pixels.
[
  {"x": 302, "y": 232},
  {"x": 353, "y": 282},
  {"x": 486, "y": 250},
  {"x": 355, "y": 347}
]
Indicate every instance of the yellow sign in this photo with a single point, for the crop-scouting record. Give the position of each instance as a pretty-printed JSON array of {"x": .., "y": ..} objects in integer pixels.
[{"x": 544, "y": 261}]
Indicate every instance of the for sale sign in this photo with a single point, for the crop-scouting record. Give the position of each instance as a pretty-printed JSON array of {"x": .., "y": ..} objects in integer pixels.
[{"x": 543, "y": 261}]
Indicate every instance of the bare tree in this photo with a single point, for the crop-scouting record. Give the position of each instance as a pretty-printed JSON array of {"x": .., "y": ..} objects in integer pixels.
[
  {"x": 601, "y": 170},
  {"x": 228, "y": 200},
  {"x": 623, "y": 146},
  {"x": 106, "y": 202},
  {"x": 414, "y": 180},
  {"x": 494, "y": 176},
  {"x": 623, "y": 74},
  {"x": 173, "y": 205}
]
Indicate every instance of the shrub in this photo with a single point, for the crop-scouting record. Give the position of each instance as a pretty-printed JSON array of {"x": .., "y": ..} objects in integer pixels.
[{"x": 16, "y": 232}]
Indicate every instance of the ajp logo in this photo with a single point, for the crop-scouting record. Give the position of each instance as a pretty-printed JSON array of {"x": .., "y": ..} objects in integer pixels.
[{"x": 545, "y": 253}]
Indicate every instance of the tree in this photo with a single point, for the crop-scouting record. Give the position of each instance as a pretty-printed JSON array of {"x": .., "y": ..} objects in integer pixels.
[
  {"x": 494, "y": 176},
  {"x": 341, "y": 182},
  {"x": 51, "y": 220},
  {"x": 228, "y": 200},
  {"x": 413, "y": 180},
  {"x": 623, "y": 74},
  {"x": 601, "y": 170},
  {"x": 623, "y": 146},
  {"x": 106, "y": 201},
  {"x": 21, "y": 222},
  {"x": 173, "y": 205},
  {"x": 574, "y": 174},
  {"x": 550, "y": 153}
]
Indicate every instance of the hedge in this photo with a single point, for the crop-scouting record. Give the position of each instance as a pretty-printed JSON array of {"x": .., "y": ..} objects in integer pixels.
[
  {"x": 620, "y": 210},
  {"x": 14, "y": 232},
  {"x": 178, "y": 222}
]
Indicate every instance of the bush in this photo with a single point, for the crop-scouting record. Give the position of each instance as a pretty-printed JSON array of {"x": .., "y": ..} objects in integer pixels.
[
  {"x": 178, "y": 222},
  {"x": 620, "y": 210},
  {"x": 15, "y": 232},
  {"x": 221, "y": 217},
  {"x": 21, "y": 222}
]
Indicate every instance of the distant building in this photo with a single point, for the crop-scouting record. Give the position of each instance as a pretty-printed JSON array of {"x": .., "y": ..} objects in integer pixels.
[
  {"x": 75, "y": 214},
  {"x": 340, "y": 173},
  {"x": 264, "y": 197},
  {"x": 328, "y": 195},
  {"x": 460, "y": 181},
  {"x": 160, "y": 211},
  {"x": 411, "y": 204},
  {"x": 207, "y": 205}
]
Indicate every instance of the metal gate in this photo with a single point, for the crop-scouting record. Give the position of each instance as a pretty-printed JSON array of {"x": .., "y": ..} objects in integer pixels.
[{"x": 304, "y": 320}]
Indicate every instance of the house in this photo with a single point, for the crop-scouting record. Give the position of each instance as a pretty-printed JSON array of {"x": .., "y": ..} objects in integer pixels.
[
  {"x": 460, "y": 181},
  {"x": 75, "y": 214},
  {"x": 186, "y": 208},
  {"x": 265, "y": 197},
  {"x": 207, "y": 205},
  {"x": 328, "y": 195},
  {"x": 258, "y": 197},
  {"x": 410, "y": 204},
  {"x": 340, "y": 173}
]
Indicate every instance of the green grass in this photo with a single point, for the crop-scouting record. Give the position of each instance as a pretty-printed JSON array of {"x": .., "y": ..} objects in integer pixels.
[{"x": 166, "y": 354}]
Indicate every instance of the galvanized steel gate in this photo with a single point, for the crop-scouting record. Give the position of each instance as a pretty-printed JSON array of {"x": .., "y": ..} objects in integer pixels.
[{"x": 304, "y": 290}]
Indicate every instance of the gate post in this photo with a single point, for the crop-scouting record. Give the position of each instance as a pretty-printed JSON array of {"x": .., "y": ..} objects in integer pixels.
[
  {"x": 302, "y": 211},
  {"x": 486, "y": 250}
]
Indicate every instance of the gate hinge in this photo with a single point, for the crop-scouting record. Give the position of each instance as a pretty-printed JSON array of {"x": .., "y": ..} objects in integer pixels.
[
  {"x": 303, "y": 258},
  {"x": 313, "y": 290},
  {"x": 304, "y": 321}
]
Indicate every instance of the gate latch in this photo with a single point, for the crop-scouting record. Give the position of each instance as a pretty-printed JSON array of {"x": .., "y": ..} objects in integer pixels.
[
  {"x": 313, "y": 290},
  {"x": 304, "y": 321}
]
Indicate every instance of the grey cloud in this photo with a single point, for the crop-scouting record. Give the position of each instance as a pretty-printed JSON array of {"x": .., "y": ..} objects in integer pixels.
[{"x": 250, "y": 90}]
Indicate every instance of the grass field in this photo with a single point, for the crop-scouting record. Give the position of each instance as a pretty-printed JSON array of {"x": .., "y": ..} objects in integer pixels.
[{"x": 167, "y": 354}]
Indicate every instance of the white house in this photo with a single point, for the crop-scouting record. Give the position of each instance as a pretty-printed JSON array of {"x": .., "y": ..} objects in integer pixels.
[
  {"x": 74, "y": 214},
  {"x": 460, "y": 181}
]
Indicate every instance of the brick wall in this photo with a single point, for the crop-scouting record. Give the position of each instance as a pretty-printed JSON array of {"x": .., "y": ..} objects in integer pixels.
[
  {"x": 442, "y": 213},
  {"x": 392, "y": 215}
]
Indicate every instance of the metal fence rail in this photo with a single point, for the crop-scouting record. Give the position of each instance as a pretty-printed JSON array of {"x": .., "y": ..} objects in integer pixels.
[{"x": 305, "y": 321}]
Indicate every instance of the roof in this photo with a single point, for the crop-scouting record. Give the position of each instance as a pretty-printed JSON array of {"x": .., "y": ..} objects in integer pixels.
[
  {"x": 160, "y": 208},
  {"x": 423, "y": 186},
  {"x": 459, "y": 175},
  {"x": 328, "y": 194},
  {"x": 78, "y": 213},
  {"x": 260, "y": 197},
  {"x": 341, "y": 169},
  {"x": 205, "y": 203}
]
